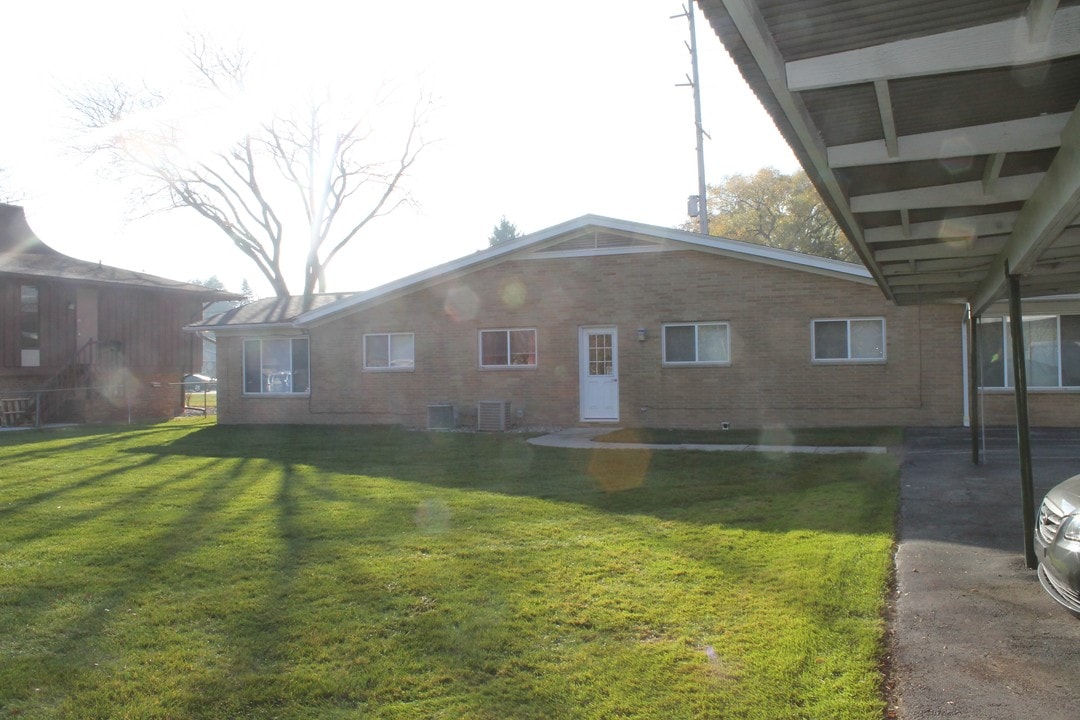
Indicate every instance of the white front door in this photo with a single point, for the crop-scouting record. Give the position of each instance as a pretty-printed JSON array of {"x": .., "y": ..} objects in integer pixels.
[{"x": 599, "y": 361}]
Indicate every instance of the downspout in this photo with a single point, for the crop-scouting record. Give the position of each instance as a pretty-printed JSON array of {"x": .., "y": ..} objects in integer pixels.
[{"x": 974, "y": 401}]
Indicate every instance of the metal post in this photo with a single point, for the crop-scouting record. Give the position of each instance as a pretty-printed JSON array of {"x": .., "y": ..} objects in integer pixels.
[
  {"x": 974, "y": 379},
  {"x": 1023, "y": 428}
]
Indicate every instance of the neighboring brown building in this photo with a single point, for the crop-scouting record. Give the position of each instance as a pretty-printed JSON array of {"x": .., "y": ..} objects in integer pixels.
[
  {"x": 93, "y": 342},
  {"x": 600, "y": 321}
]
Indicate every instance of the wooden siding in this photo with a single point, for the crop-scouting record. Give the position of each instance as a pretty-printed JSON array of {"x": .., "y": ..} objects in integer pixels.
[{"x": 147, "y": 325}]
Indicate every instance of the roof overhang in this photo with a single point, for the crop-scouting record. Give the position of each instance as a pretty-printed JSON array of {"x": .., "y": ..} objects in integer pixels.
[{"x": 944, "y": 137}]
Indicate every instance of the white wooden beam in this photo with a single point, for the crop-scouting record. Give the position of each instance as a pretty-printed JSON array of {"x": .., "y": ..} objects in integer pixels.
[
  {"x": 1050, "y": 209},
  {"x": 888, "y": 122},
  {"x": 1001, "y": 44},
  {"x": 905, "y": 223},
  {"x": 1040, "y": 14},
  {"x": 1008, "y": 189},
  {"x": 930, "y": 266},
  {"x": 946, "y": 278},
  {"x": 917, "y": 296},
  {"x": 959, "y": 227},
  {"x": 1036, "y": 133},
  {"x": 985, "y": 247},
  {"x": 992, "y": 172}
]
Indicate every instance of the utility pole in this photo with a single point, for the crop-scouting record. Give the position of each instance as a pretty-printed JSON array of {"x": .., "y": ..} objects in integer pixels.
[{"x": 695, "y": 83}]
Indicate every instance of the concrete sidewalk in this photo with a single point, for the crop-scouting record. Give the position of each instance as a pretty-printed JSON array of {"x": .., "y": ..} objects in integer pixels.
[
  {"x": 973, "y": 634},
  {"x": 582, "y": 439}
]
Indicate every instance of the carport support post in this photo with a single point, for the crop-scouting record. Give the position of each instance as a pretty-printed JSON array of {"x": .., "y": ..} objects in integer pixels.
[
  {"x": 974, "y": 401},
  {"x": 1023, "y": 428}
]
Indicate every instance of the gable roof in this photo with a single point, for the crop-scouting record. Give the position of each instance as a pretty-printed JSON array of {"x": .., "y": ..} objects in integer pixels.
[
  {"x": 944, "y": 136},
  {"x": 588, "y": 235},
  {"x": 24, "y": 254}
]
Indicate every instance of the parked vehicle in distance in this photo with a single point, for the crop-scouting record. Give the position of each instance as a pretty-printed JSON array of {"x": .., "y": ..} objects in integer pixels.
[
  {"x": 1057, "y": 542},
  {"x": 198, "y": 383}
]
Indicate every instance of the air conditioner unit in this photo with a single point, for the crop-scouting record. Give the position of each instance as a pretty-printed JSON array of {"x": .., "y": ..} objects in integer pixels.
[
  {"x": 441, "y": 417},
  {"x": 493, "y": 415}
]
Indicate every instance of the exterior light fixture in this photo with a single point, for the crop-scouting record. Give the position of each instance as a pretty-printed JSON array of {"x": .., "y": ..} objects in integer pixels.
[{"x": 641, "y": 334}]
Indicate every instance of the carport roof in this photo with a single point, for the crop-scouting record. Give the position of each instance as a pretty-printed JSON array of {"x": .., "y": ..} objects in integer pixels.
[{"x": 943, "y": 135}]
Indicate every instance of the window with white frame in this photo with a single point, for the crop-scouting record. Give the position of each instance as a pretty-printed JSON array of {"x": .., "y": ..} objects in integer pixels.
[
  {"x": 389, "y": 351},
  {"x": 276, "y": 366},
  {"x": 1051, "y": 351},
  {"x": 848, "y": 340},
  {"x": 508, "y": 348},
  {"x": 696, "y": 343}
]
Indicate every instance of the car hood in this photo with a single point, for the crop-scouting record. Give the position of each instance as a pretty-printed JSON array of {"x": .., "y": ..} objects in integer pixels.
[{"x": 1066, "y": 496}]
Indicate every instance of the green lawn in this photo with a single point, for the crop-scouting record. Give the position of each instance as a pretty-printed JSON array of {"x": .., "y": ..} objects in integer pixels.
[
  {"x": 206, "y": 399},
  {"x": 843, "y": 437},
  {"x": 186, "y": 570}
]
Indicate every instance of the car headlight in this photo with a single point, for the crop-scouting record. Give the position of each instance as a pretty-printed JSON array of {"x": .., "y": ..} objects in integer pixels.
[{"x": 1070, "y": 529}]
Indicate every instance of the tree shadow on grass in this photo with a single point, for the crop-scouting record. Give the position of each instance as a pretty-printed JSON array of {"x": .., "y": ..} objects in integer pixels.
[
  {"x": 268, "y": 576},
  {"x": 768, "y": 491}
]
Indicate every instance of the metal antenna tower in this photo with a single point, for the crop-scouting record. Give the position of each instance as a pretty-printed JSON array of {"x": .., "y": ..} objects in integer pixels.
[{"x": 698, "y": 204}]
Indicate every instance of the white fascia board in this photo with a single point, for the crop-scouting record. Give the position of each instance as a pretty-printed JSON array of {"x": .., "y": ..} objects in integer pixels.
[
  {"x": 1001, "y": 44},
  {"x": 479, "y": 258},
  {"x": 246, "y": 328},
  {"x": 1035, "y": 133},
  {"x": 524, "y": 248}
]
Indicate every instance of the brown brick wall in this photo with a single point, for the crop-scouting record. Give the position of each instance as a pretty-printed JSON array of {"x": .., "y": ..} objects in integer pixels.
[
  {"x": 771, "y": 379},
  {"x": 1046, "y": 408}
]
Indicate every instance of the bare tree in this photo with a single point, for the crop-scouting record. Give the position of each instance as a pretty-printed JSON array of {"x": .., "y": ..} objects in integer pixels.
[{"x": 301, "y": 162}]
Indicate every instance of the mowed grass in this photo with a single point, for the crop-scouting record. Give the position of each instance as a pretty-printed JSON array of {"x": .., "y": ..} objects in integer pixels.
[
  {"x": 833, "y": 437},
  {"x": 186, "y": 570}
]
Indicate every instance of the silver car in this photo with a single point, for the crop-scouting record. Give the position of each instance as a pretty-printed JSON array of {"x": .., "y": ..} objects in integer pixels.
[{"x": 1057, "y": 543}]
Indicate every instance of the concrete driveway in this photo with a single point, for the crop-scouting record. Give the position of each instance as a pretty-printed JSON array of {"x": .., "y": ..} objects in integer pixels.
[{"x": 973, "y": 633}]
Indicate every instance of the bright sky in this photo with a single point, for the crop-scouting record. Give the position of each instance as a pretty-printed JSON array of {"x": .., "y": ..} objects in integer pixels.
[{"x": 545, "y": 111}]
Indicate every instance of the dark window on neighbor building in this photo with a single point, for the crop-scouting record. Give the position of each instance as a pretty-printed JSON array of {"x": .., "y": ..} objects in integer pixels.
[{"x": 29, "y": 326}]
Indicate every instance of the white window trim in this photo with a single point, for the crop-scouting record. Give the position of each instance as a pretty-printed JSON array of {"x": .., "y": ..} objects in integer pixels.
[
  {"x": 815, "y": 360},
  {"x": 243, "y": 366},
  {"x": 509, "y": 366},
  {"x": 391, "y": 368},
  {"x": 694, "y": 363}
]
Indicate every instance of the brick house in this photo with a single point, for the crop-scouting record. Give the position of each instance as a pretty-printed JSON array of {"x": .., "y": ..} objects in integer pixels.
[
  {"x": 606, "y": 321},
  {"x": 92, "y": 342}
]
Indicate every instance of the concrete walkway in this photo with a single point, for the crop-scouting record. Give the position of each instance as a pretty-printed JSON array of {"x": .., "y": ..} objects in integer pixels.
[{"x": 582, "y": 439}]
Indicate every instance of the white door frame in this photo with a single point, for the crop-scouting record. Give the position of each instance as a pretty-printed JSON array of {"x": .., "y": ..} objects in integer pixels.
[{"x": 604, "y": 388}]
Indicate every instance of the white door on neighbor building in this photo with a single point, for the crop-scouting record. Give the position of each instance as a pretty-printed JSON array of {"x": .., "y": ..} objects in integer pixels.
[{"x": 599, "y": 359}]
